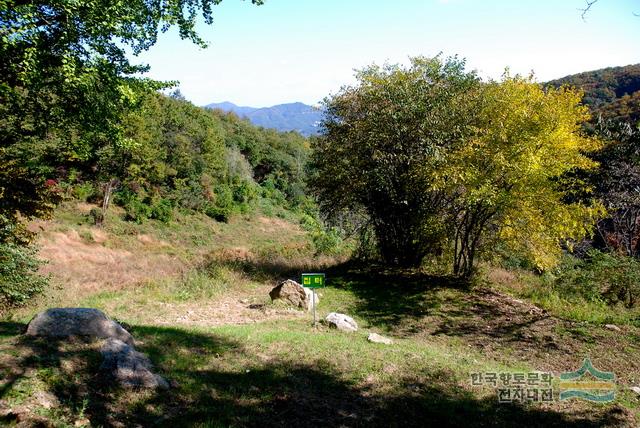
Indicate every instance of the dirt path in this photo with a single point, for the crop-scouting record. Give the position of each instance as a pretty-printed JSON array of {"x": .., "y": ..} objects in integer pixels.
[{"x": 235, "y": 309}]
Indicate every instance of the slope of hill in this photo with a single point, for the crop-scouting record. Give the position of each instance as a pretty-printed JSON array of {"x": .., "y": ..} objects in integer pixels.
[
  {"x": 298, "y": 117},
  {"x": 613, "y": 92}
]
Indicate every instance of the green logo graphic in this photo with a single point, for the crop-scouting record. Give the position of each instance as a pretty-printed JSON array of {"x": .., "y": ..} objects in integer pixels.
[
  {"x": 313, "y": 280},
  {"x": 598, "y": 387}
]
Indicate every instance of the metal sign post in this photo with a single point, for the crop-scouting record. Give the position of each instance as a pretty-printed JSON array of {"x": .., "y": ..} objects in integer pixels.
[
  {"x": 313, "y": 281},
  {"x": 313, "y": 300}
]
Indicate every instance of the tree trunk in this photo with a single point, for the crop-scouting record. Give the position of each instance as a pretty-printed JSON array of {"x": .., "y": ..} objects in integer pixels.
[{"x": 109, "y": 187}]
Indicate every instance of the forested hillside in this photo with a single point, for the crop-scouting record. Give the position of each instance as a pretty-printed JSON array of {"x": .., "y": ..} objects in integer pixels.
[
  {"x": 173, "y": 156},
  {"x": 611, "y": 92}
]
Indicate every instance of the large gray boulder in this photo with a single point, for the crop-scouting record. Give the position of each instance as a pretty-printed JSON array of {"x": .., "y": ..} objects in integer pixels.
[
  {"x": 130, "y": 368},
  {"x": 294, "y": 294},
  {"x": 65, "y": 322},
  {"x": 341, "y": 322}
]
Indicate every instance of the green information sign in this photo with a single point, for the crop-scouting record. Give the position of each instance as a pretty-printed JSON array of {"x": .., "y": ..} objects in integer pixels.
[{"x": 313, "y": 280}]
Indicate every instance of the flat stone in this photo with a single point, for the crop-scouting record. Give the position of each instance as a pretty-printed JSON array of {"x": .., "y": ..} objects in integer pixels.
[
  {"x": 130, "y": 368},
  {"x": 66, "y": 322},
  {"x": 635, "y": 389},
  {"x": 341, "y": 322},
  {"x": 377, "y": 338},
  {"x": 612, "y": 327}
]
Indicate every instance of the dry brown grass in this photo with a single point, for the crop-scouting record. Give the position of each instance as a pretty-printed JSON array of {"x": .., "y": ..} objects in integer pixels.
[
  {"x": 498, "y": 275},
  {"x": 84, "y": 267},
  {"x": 278, "y": 225}
]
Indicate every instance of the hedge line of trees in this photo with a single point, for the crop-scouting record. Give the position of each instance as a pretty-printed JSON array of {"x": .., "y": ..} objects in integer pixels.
[
  {"x": 425, "y": 161},
  {"x": 611, "y": 93},
  {"x": 174, "y": 155}
]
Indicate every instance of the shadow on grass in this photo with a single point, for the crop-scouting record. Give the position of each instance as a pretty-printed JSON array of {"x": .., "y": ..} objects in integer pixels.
[
  {"x": 386, "y": 297},
  {"x": 8, "y": 329},
  {"x": 220, "y": 382},
  {"x": 267, "y": 269},
  {"x": 411, "y": 302}
]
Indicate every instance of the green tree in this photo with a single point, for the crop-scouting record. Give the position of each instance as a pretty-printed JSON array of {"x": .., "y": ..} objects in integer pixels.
[
  {"x": 380, "y": 137},
  {"x": 511, "y": 182},
  {"x": 66, "y": 88}
]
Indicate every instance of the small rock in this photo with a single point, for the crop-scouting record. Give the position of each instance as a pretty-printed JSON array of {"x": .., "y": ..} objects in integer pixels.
[
  {"x": 82, "y": 422},
  {"x": 88, "y": 322},
  {"x": 129, "y": 367},
  {"x": 341, "y": 322},
  {"x": 46, "y": 399},
  {"x": 5, "y": 409},
  {"x": 376, "y": 338},
  {"x": 244, "y": 301},
  {"x": 635, "y": 389},
  {"x": 612, "y": 327},
  {"x": 310, "y": 299}
]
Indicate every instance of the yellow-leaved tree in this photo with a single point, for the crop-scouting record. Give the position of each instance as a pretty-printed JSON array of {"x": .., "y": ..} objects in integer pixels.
[{"x": 511, "y": 183}]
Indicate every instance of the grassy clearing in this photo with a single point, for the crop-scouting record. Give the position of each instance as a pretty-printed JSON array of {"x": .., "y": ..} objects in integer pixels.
[{"x": 235, "y": 359}]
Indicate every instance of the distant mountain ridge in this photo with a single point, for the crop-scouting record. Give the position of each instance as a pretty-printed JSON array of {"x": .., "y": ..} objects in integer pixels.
[
  {"x": 299, "y": 117},
  {"x": 613, "y": 92}
]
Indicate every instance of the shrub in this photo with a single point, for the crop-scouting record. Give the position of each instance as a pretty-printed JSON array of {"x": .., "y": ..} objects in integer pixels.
[
  {"x": 137, "y": 211},
  {"x": 190, "y": 194},
  {"x": 222, "y": 208},
  {"x": 84, "y": 191},
  {"x": 162, "y": 210},
  {"x": 244, "y": 192},
  {"x": 96, "y": 215},
  {"x": 327, "y": 241},
  {"x": 18, "y": 274},
  {"x": 614, "y": 279}
]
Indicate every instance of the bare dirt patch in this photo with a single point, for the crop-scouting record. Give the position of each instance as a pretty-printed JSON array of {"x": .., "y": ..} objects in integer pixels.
[
  {"x": 227, "y": 310},
  {"x": 151, "y": 241}
]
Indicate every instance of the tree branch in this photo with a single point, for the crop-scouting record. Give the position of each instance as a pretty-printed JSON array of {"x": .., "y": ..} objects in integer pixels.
[{"x": 587, "y": 8}]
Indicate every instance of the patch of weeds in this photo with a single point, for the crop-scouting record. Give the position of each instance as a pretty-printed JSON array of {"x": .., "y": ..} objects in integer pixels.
[
  {"x": 545, "y": 293},
  {"x": 86, "y": 236},
  {"x": 204, "y": 284},
  {"x": 22, "y": 389},
  {"x": 580, "y": 332}
]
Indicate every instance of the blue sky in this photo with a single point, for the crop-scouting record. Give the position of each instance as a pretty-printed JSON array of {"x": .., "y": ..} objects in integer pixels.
[{"x": 303, "y": 50}]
